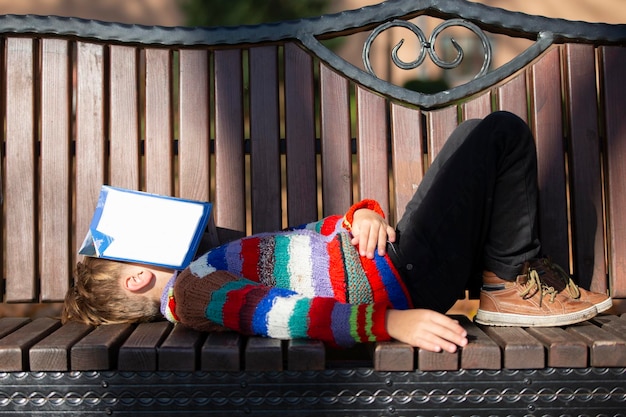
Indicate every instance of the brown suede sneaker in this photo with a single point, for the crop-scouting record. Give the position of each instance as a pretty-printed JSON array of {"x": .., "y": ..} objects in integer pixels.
[
  {"x": 554, "y": 276},
  {"x": 528, "y": 302}
]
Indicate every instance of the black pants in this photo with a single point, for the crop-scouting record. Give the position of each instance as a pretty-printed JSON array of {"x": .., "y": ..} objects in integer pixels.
[{"x": 475, "y": 209}]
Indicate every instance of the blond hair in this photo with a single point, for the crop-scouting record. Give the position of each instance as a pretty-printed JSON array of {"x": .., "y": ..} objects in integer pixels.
[{"x": 97, "y": 296}]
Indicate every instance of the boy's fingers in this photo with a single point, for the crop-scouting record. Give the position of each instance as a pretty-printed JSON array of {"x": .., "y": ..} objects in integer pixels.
[
  {"x": 367, "y": 240},
  {"x": 373, "y": 237},
  {"x": 372, "y": 241},
  {"x": 382, "y": 241},
  {"x": 448, "y": 341},
  {"x": 362, "y": 241},
  {"x": 449, "y": 332}
]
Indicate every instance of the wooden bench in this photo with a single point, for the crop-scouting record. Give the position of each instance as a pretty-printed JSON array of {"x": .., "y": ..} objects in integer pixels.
[{"x": 277, "y": 130}]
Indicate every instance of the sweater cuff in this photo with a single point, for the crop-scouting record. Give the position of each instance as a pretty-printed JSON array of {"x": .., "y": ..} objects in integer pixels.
[
  {"x": 379, "y": 322},
  {"x": 368, "y": 204}
]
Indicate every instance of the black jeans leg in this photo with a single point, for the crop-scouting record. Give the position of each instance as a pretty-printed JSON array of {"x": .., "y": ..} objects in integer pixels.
[{"x": 475, "y": 209}]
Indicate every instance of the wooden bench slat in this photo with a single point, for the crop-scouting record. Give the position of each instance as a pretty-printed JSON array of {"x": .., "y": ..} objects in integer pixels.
[
  {"x": 306, "y": 355},
  {"x": 481, "y": 352},
  {"x": 441, "y": 124},
  {"x": 336, "y": 142},
  {"x": 613, "y": 64},
  {"x": 158, "y": 140},
  {"x": 178, "y": 352},
  {"x": 407, "y": 149},
  {"x": 512, "y": 96},
  {"x": 124, "y": 131},
  {"x": 139, "y": 351},
  {"x": 606, "y": 349},
  {"x": 548, "y": 131},
  {"x": 14, "y": 347},
  {"x": 394, "y": 356},
  {"x": 53, "y": 352},
  {"x": 478, "y": 107},
  {"x": 90, "y": 138},
  {"x": 54, "y": 207},
  {"x": 263, "y": 355},
  {"x": 98, "y": 350},
  {"x": 264, "y": 144},
  {"x": 230, "y": 207},
  {"x": 585, "y": 169},
  {"x": 372, "y": 147},
  {"x": 519, "y": 349},
  {"x": 437, "y": 361},
  {"x": 194, "y": 126},
  {"x": 563, "y": 350},
  {"x": 222, "y": 351},
  {"x": 10, "y": 324},
  {"x": 300, "y": 136},
  {"x": 19, "y": 183},
  {"x": 611, "y": 323}
]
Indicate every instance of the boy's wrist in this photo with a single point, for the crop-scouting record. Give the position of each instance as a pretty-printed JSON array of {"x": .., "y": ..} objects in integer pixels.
[{"x": 373, "y": 205}]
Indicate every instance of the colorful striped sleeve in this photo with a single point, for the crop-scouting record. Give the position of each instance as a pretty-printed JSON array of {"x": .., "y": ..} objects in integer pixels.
[
  {"x": 254, "y": 309},
  {"x": 326, "y": 226}
]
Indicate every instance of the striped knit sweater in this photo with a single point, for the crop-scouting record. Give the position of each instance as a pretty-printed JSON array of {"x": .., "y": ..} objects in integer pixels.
[{"x": 308, "y": 282}]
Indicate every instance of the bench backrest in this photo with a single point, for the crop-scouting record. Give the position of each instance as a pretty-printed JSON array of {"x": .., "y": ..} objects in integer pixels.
[{"x": 276, "y": 130}]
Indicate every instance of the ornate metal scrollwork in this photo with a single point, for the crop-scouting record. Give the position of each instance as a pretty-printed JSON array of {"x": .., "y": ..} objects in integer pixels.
[{"x": 428, "y": 46}]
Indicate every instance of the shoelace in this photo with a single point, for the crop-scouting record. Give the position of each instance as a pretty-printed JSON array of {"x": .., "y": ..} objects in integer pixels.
[
  {"x": 535, "y": 284},
  {"x": 570, "y": 285}
]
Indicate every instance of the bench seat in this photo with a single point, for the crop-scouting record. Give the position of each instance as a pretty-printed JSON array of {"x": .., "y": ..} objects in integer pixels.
[
  {"x": 43, "y": 345},
  {"x": 160, "y": 370}
]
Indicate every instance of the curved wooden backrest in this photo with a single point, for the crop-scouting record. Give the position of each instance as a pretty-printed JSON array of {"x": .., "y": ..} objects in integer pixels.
[{"x": 276, "y": 134}]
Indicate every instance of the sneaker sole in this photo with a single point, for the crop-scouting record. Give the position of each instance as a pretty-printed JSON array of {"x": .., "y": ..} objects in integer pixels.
[
  {"x": 604, "y": 305},
  {"x": 492, "y": 318}
]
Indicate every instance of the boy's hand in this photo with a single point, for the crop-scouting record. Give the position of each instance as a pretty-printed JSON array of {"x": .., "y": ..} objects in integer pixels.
[
  {"x": 370, "y": 232},
  {"x": 426, "y": 329}
]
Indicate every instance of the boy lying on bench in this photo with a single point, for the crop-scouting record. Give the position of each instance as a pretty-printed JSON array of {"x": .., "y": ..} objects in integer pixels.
[{"x": 353, "y": 278}]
